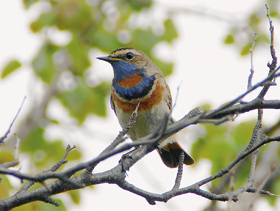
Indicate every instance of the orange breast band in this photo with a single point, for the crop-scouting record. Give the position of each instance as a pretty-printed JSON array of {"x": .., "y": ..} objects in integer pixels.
[
  {"x": 147, "y": 103},
  {"x": 130, "y": 82}
]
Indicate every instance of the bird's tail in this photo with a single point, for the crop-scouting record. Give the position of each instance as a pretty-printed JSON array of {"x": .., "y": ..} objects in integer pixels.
[{"x": 170, "y": 155}]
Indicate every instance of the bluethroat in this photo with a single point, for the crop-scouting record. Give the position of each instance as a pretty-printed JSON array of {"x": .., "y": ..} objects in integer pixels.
[{"x": 137, "y": 78}]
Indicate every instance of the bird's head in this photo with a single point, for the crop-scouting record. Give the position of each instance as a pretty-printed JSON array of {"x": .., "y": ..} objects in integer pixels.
[
  {"x": 134, "y": 72},
  {"x": 127, "y": 62}
]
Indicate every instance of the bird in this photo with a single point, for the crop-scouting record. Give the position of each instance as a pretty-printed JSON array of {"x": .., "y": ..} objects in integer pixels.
[{"x": 137, "y": 79}]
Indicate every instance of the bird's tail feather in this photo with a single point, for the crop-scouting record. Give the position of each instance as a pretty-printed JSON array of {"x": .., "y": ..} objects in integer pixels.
[{"x": 170, "y": 155}]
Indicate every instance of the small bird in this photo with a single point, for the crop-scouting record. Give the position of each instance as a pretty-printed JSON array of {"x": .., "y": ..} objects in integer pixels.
[{"x": 137, "y": 78}]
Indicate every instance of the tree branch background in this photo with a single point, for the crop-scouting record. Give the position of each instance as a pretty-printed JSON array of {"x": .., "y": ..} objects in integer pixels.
[{"x": 63, "y": 71}]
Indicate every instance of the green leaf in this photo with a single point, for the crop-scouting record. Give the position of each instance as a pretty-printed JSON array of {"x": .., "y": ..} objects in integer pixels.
[
  {"x": 10, "y": 67},
  {"x": 75, "y": 16},
  {"x": 246, "y": 49},
  {"x": 166, "y": 68},
  {"x": 34, "y": 141},
  {"x": 243, "y": 132},
  {"x": 43, "y": 152},
  {"x": 262, "y": 37},
  {"x": 211, "y": 145},
  {"x": 138, "y": 5},
  {"x": 75, "y": 154},
  {"x": 144, "y": 40},
  {"x": 206, "y": 107},
  {"x": 53, "y": 121},
  {"x": 79, "y": 56},
  {"x": 229, "y": 39},
  {"x": 254, "y": 20},
  {"x": 170, "y": 31},
  {"x": 6, "y": 156},
  {"x": 45, "y": 19},
  {"x": 85, "y": 100},
  {"x": 104, "y": 40},
  {"x": 75, "y": 196},
  {"x": 273, "y": 14},
  {"x": 43, "y": 64},
  {"x": 5, "y": 187},
  {"x": 28, "y": 3}
]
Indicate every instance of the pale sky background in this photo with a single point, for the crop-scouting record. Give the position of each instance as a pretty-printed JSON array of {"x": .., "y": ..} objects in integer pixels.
[{"x": 207, "y": 70}]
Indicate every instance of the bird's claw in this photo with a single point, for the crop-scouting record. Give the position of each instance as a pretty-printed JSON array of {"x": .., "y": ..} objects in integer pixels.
[{"x": 121, "y": 161}]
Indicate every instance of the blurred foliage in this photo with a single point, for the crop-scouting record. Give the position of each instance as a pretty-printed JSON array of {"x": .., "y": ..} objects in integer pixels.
[
  {"x": 242, "y": 35},
  {"x": 4, "y": 187},
  {"x": 91, "y": 99},
  {"x": 75, "y": 196},
  {"x": 222, "y": 144},
  {"x": 10, "y": 67},
  {"x": 6, "y": 156},
  {"x": 43, "y": 152},
  {"x": 107, "y": 25},
  {"x": 91, "y": 24},
  {"x": 43, "y": 64}
]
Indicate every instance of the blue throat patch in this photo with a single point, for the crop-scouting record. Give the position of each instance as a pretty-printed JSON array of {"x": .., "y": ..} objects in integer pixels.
[
  {"x": 124, "y": 70},
  {"x": 138, "y": 91}
]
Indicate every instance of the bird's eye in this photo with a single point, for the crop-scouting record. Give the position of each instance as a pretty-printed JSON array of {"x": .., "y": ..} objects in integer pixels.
[{"x": 129, "y": 55}]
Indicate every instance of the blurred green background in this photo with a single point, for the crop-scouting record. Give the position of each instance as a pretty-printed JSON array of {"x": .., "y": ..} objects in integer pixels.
[{"x": 106, "y": 26}]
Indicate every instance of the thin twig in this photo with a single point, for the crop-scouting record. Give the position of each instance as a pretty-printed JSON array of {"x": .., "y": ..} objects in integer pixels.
[
  {"x": 259, "y": 188},
  {"x": 9, "y": 129},
  {"x": 119, "y": 139},
  {"x": 272, "y": 50},
  {"x": 234, "y": 101},
  {"x": 32, "y": 181},
  {"x": 249, "y": 86},
  {"x": 176, "y": 98},
  {"x": 231, "y": 185},
  {"x": 272, "y": 66},
  {"x": 263, "y": 192}
]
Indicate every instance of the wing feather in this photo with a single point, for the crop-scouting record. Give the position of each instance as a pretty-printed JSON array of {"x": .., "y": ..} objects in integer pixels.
[{"x": 112, "y": 104}]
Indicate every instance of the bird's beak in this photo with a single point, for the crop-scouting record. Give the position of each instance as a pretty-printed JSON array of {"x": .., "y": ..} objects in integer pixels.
[
  {"x": 108, "y": 58},
  {"x": 105, "y": 58}
]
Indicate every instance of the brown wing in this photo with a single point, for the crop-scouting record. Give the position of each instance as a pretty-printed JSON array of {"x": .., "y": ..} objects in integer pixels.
[
  {"x": 168, "y": 98},
  {"x": 112, "y": 104},
  {"x": 166, "y": 94}
]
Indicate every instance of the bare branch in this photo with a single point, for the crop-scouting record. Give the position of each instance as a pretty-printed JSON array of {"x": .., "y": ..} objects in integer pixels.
[
  {"x": 180, "y": 172},
  {"x": 273, "y": 65},
  {"x": 252, "y": 66},
  {"x": 66, "y": 181},
  {"x": 11, "y": 125},
  {"x": 231, "y": 185},
  {"x": 272, "y": 169},
  {"x": 119, "y": 139},
  {"x": 27, "y": 185},
  {"x": 263, "y": 192}
]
